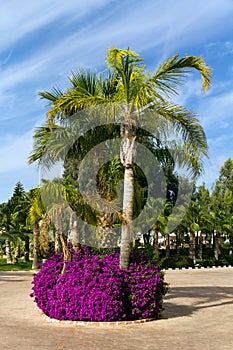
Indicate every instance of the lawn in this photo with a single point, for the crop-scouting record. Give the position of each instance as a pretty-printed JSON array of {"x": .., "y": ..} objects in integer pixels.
[{"x": 20, "y": 266}]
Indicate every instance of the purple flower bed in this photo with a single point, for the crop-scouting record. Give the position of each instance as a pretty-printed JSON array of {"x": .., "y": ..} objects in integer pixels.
[{"x": 93, "y": 288}]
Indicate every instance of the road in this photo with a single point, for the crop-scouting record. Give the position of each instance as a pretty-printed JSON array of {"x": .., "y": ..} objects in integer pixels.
[{"x": 198, "y": 315}]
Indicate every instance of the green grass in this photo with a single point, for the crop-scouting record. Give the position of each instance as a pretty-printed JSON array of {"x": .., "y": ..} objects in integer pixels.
[{"x": 20, "y": 266}]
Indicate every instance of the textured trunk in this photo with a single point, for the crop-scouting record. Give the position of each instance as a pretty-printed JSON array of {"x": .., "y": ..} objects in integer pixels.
[
  {"x": 26, "y": 249},
  {"x": 178, "y": 242},
  {"x": 231, "y": 245},
  {"x": 167, "y": 244},
  {"x": 127, "y": 158},
  {"x": 17, "y": 254},
  {"x": 8, "y": 252},
  {"x": 127, "y": 229},
  {"x": 217, "y": 244},
  {"x": 60, "y": 240},
  {"x": 192, "y": 247},
  {"x": 200, "y": 246},
  {"x": 156, "y": 241},
  {"x": 74, "y": 234},
  {"x": 36, "y": 232},
  {"x": 57, "y": 242},
  {"x": 65, "y": 251}
]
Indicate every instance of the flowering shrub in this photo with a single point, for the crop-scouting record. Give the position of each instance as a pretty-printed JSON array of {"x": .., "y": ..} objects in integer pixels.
[{"x": 93, "y": 288}]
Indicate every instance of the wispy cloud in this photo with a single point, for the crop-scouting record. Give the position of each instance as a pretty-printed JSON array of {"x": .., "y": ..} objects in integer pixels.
[
  {"x": 14, "y": 151},
  {"x": 22, "y": 18},
  {"x": 216, "y": 110},
  {"x": 42, "y": 41}
]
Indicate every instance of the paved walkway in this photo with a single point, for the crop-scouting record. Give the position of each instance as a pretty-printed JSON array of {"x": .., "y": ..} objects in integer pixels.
[{"x": 198, "y": 315}]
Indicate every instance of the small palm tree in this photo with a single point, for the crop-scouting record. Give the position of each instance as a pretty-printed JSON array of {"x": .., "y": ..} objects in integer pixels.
[
  {"x": 162, "y": 224},
  {"x": 35, "y": 214}
]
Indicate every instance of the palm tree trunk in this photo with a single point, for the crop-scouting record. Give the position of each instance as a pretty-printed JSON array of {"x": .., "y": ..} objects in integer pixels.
[
  {"x": 57, "y": 242},
  {"x": 74, "y": 234},
  {"x": 26, "y": 249},
  {"x": 65, "y": 250},
  {"x": 156, "y": 241},
  {"x": 217, "y": 243},
  {"x": 231, "y": 245},
  {"x": 8, "y": 252},
  {"x": 167, "y": 244},
  {"x": 127, "y": 229},
  {"x": 200, "y": 246},
  {"x": 36, "y": 232},
  {"x": 17, "y": 254},
  {"x": 127, "y": 155},
  {"x": 178, "y": 242},
  {"x": 192, "y": 247}
]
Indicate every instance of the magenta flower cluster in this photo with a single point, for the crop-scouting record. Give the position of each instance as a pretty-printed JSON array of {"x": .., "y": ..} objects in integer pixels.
[{"x": 94, "y": 288}]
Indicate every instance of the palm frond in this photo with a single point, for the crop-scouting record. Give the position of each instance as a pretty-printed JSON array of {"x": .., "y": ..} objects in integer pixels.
[
  {"x": 51, "y": 96},
  {"x": 186, "y": 124},
  {"x": 170, "y": 73}
]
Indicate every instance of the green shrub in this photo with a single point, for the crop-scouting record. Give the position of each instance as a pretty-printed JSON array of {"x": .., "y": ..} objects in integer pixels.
[{"x": 175, "y": 262}]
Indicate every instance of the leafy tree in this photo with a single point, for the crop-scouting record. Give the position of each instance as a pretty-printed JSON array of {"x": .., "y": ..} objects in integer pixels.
[
  {"x": 228, "y": 220},
  {"x": 225, "y": 179},
  {"x": 202, "y": 198},
  {"x": 13, "y": 222},
  {"x": 222, "y": 205},
  {"x": 5, "y": 222}
]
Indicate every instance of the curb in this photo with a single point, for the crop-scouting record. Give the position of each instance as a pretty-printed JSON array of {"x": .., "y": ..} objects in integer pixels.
[
  {"x": 197, "y": 268},
  {"x": 98, "y": 324}
]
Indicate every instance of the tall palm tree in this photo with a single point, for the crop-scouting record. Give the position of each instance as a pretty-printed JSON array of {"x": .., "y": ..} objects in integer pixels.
[{"x": 136, "y": 89}]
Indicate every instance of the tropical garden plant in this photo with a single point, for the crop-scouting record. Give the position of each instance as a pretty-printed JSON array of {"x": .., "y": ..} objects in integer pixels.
[{"x": 136, "y": 89}]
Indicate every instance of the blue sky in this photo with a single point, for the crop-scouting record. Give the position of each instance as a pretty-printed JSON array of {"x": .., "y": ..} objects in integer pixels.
[{"x": 42, "y": 41}]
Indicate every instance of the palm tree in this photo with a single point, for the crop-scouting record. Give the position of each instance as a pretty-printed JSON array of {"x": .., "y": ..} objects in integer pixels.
[
  {"x": 5, "y": 227},
  {"x": 56, "y": 209},
  {"x": 162, "y": 224},
  {"x": 191, "y": 219},
  {"x": 35, "y": 214},
  {"x": 228, "y": 220},
  {"x": 137, "y": 90}
]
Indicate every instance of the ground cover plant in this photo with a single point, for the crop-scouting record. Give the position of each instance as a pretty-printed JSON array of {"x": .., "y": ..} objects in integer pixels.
[{"x": 94, "y": 288}]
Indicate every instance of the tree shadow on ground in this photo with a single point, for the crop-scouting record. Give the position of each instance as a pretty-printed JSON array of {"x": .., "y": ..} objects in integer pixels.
[{"x": 184, "y": 301}]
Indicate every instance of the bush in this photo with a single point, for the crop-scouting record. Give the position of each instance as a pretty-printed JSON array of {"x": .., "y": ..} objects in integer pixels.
[
  {"x": 93, "y": 288},
  {"x": 176, "y": 262},
  {"x": 168, "y": 262},
  {"x": 184, "y": 261}
]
